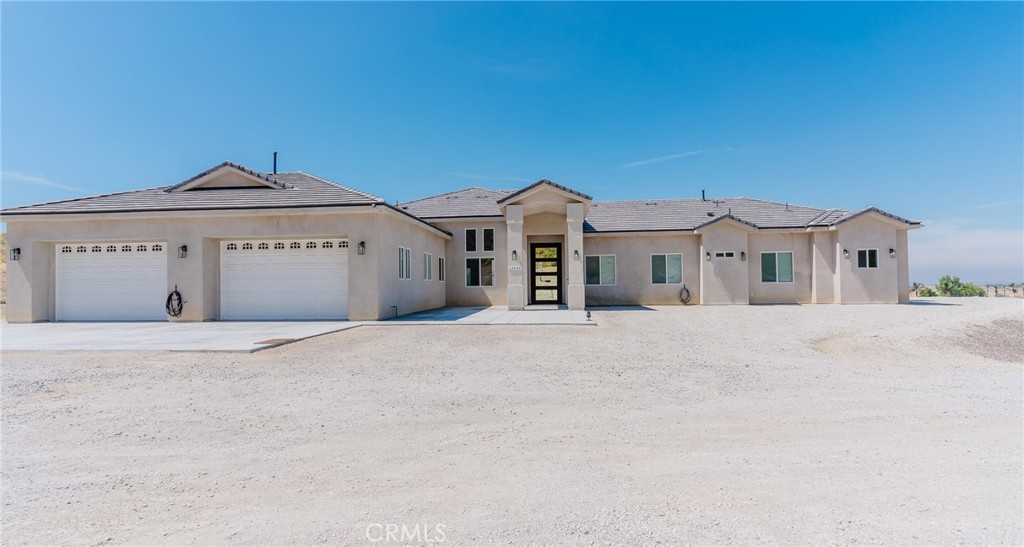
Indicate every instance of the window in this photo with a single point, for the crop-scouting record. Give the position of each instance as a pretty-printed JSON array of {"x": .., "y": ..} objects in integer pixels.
[
  {"x": 725, "y": 254},
  {"x": 158, "y": 247},
  {"x": 67, "y": 249},
  {"x": 110, "y": 249},
  {"x": 471, "y": 240},
  {"x": 263, "y": 246},
  {"x": 428, "y": 262},
  {"x": 601, "y": 270},
  {"x": 97, "y": 248},
  {"x": 667, "y": 269},
  {"x": 440, "y": 268},
  {"x": 327, "y": 245},
  {"x": 488, "y": 239},
  {"x": 343, "y": 245},
  {"x": 295, "y": 245},
  {"x": 777, "y": 267},
  {"x": 278, "y": 246},
  {"x": 404, "y": 260},
  {"x": 80, "y": 249},
  {"x": 247, "y": 246},
  {"x": 141, "y": 248},
  {"x": 479, "y": 272},
  {"x": 125, "y": 248},
  {"x": 311, "y": 245},
  {"x": 867, "y": 258}
]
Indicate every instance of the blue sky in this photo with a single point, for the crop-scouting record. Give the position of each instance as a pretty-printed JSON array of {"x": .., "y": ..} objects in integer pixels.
[{"x": 914, "y": 108}]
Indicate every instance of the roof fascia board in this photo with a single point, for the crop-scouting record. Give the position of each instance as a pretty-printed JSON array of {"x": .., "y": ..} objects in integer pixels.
[{"x": 190, "y": 212}]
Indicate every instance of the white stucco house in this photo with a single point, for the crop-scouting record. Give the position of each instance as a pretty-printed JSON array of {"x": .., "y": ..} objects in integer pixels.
[{"x": 239, "y": 244}]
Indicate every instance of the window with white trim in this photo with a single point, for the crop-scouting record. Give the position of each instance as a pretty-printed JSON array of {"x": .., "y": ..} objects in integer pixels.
[
  {"x": 600, "y": 269},
  {"x": 440, "y": 268},
  {"x": 428, "y": 262},
  {"x": 867, "y": 258},
  {"x": 471, "y": 240},
  {"x": 479, "y": 272},
  {"x": 667, "y": 269},
  {"x": 404, "y": 260},
  {"x": 488, "y": 240},
  {"x": 777, "y": 267}
]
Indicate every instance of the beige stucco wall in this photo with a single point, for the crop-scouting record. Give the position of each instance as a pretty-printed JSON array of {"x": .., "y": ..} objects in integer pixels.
[
  {"x": 404, "y": 295},
  {"x": 458, "y": 294},
  {"x": 724, "y": 280},
  {"x": 797, "y": 292},
  {"x": 633, "y": 268},
  {"x": 866, "y": 285},
  {"x": 31, "y": 280},
  {"x": 823, "y": 267}
]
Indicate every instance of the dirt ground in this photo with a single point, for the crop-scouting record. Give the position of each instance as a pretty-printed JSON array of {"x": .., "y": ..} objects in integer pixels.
[{"x": 710, "y": 425}]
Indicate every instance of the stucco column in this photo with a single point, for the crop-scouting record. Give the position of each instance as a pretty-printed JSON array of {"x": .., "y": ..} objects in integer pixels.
[
  {"x": 516, "y": 271},
  {"x": 902, "y": 267},
  {"x": 576, "y": 292},
  {"x": 822, "y": 268}
]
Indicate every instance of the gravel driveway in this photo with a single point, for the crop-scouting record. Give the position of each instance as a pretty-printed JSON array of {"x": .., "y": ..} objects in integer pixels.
[{"x": 742, "y": 424}]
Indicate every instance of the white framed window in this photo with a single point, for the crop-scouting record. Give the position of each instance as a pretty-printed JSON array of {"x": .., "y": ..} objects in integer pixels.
[
  {"x": 440, "y": 268},
  {"x": 777, "y": 267},
  {"x": 404, "y": 263},
  {"x": 725, "y": 254},
  {"x": 867, "y": 258},
  {"x": 470, "y": 240},
  {"x": 600, "y": 269},
  {"x": 667, "y": 269},
  {"x": 488, "y": 240},
  {"x": 428, "y": 263},
  {"x": 479, "y": 272}
]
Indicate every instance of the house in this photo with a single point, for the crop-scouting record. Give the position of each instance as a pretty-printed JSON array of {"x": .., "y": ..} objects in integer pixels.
[{"x": 239, "y": 244}]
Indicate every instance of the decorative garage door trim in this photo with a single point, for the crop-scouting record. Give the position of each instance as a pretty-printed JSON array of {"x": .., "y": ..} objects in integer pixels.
[
  {"x": 266, "y": 279},
  {"x": 111, "y": 281}
]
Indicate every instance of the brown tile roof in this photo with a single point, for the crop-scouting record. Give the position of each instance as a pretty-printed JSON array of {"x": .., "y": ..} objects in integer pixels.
[
  {"x": 468, "y": 202},
  {"x": 544, "y": 182}
]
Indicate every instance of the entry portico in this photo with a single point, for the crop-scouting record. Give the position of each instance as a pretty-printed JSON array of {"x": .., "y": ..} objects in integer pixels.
[{"x": 544, "y": 231}]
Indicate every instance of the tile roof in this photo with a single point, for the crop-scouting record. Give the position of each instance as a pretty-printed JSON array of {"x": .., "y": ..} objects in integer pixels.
[
  {"x": 544, "y": 182},
  {"x": 468, "y": 202},
  {"x": 293, "y": 190}
]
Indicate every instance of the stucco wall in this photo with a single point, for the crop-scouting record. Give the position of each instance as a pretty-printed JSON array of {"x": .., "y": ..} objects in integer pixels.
[
  {"x": 633, "y": 269},
  {"x": 866, "y": 285},
  {"x": 31, "y": 280},
  {"x": 458, "y": 294},
  {"x": 404, "y": 295},
  {"x": 724, "y": 280},
  {"x": 796, "y": 292}
]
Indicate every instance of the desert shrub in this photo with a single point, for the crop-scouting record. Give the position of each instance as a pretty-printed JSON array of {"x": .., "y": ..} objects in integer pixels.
[
  {"x": 950, "y": 285},
  {"x": 926, "y": 291}
]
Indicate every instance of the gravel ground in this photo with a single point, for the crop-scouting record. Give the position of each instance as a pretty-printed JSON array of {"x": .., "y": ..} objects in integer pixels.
[{"x": 710, "y": 425}]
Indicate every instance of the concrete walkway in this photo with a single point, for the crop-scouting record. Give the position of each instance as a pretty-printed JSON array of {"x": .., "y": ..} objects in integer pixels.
[
  {"x": 163, "y": 336},
  {"x": 495, "y": 315}
]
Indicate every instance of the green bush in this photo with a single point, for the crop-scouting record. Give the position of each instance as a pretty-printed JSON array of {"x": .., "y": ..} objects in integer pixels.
[
  {"x": 950, "y": 285},
  {"x": 926, "y": 291}
]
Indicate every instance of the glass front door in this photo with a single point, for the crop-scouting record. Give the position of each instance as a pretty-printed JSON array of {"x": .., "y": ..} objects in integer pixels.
[{"x": 546, "y": 273}]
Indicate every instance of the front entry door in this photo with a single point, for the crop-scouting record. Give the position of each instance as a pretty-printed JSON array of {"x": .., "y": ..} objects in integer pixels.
[{"x": 546, "y": 273}]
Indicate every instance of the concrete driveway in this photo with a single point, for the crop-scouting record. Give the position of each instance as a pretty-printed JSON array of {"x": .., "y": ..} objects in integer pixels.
[{"x": 245, "y": 336}]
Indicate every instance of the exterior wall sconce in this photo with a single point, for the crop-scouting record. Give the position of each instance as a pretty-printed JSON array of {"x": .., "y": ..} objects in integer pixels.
[
  {"x": 707, "y": 256},
  {"x": 515, "y": 255},
  {"x": 892, "y": 253},
  {"x": 16, "y": 253},
  {"x": 183, "y": 251},
  {"x": 743, "y": 256},
  {"x": 576, "y": 254},
  {"x": 846, "y": 254},
  {"x": 361, "y": 248}
]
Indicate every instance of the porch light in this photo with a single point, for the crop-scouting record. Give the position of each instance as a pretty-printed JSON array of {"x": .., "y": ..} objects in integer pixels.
[
  {"x": 707, "y": 256},
  {"x": 576, "y": 254},
  {"x": 846, "y": 254},
  {"x": 361, "y": 248},
  {"x": 16, "y": 253},
  {"x": 183, "y": 251},
  {"x": 515, "y": 255},
  {"x": 892, "y": 253},
  {"x": 743, "y": 256}
]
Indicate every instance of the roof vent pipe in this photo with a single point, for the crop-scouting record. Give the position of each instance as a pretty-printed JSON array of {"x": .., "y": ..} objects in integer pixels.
[
  {"x": 275, "y": 162},
  {"x": 702, "y": 198}
]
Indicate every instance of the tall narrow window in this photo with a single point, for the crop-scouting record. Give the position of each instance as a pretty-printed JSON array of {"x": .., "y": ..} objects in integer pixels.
[
  {"x": 408, "y": 263},
  {"x": 777, "y": 267},
  {"x": 404, "y": 263},
  {"x": 488, "y": 239},
  {"x": 867, "y": 258},
  {"x": 667, "y": 269},
  {"x": 600, "y": 270},
  {"x": 471, "y": 240},
  {"x": 428, "y": 262},
  {"x": 440, "y": 268}
]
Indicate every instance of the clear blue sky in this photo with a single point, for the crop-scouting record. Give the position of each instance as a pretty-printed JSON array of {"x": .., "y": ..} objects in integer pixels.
[{"x": 914, "y": 108}]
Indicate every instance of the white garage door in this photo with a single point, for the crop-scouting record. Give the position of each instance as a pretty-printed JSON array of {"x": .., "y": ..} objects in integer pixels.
[
  {"x": 111, "y": 281},
  {"x": 286, "y": 279}
]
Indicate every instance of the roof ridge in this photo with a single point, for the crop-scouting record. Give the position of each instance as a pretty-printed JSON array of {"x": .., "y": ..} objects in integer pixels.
[
  {"x": 450, "y": 193},
  {"x": 342, "y": 186}
]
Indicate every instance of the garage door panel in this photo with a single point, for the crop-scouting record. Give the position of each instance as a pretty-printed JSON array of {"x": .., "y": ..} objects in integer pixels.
[
  {"x": 284, "y": 283},
  {"x": 106, "y": 283}
]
